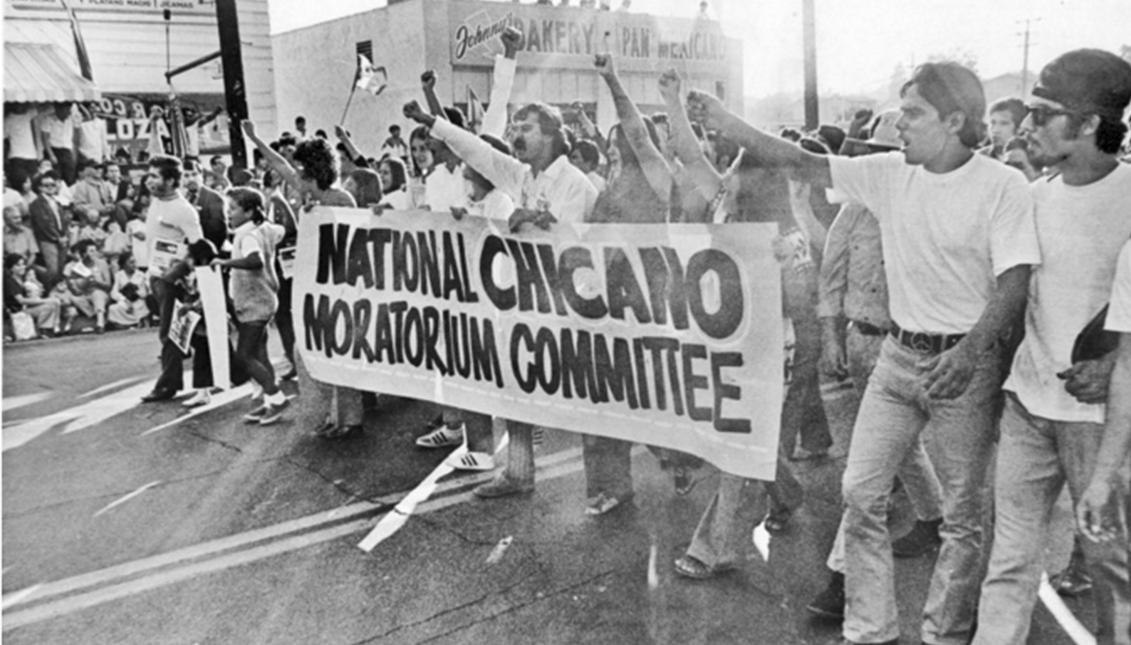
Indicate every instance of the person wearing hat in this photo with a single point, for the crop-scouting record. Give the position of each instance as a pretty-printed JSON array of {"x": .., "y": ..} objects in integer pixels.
[
  {"x": 1053, "y": 422},
  {"x": 853, "y": 311},
  {"x": 958, "y": 240}
]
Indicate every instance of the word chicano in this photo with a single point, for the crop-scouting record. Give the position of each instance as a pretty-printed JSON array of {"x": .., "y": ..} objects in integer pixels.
[{"x": 643, "y": 370}]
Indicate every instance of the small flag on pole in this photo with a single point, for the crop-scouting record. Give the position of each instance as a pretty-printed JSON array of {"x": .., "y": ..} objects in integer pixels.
[
  {"x": 369, "y": 78},
  {"x": 474, "y": 110},
  {"x": 80, "y": 46}
]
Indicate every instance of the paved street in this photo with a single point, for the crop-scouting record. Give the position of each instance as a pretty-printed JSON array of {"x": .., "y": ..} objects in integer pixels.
[{"x": 140, "y": 523}]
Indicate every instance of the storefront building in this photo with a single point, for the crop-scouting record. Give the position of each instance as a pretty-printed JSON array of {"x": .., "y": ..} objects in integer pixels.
[
  {"x": 130, "y": 45},
  {"x": 315, "y": 66}
]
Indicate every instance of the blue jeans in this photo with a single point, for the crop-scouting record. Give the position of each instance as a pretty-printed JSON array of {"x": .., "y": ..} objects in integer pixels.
[
  {"x": 916, "y": 472},
  {"x": 894, "y": 413},
  {"x": 1036, "y": 458}
]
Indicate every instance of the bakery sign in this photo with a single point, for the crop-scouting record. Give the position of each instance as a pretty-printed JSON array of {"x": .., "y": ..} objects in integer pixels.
[
  {"x": 570, "y": 35},
  {"x": 121, "y": 6}
]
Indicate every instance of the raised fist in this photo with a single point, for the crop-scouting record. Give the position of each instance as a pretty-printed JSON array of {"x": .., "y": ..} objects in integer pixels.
[
  {"x": 428, "y": 79},
  {"x": 604, "y": 65},
  {"x": 705, "y": 109},
  {"x": 412, "y": 110},
  {"x": 512, "y": 41},
  {"x": 248, "y": 128}
]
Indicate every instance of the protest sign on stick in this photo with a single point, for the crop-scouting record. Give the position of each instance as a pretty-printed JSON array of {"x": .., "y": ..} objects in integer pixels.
[{"x": 664, "y": 335}]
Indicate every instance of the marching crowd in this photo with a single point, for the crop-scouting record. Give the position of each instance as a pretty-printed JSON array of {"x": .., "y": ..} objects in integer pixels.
[{"x": 958, "y": 276}]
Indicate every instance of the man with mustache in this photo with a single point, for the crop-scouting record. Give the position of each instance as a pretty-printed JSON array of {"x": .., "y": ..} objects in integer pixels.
[{"x": 546, "y": 188}]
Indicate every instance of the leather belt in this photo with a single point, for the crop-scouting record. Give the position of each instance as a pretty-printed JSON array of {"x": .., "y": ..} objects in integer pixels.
[
  {"x": 867, "y": 329},
  {"x": 923, "y": 342}
]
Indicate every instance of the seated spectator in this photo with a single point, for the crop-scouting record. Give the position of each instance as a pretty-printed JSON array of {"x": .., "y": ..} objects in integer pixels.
[
  {"x": 88, "y": 281},
  {"x": 93, "y": 198},
  {"x": 23, "y": 292},
  {"x": 130, "y": 290},
  {"x": 116, "y": 242},
  {"x": 18, "y": 238}
]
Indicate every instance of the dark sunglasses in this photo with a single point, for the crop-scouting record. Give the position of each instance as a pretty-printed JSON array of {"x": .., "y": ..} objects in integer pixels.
[{"x": 1042, "y": 114}]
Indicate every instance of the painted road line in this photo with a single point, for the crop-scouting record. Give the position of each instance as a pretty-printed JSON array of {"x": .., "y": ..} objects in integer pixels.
[
  {"x": 80, "y": 417},
  {"x": 159, "y": 579},
  {"x": 111, "y": 386},
  {"x": 213, "y": 547},
  {"x": 404, "y": 509},
  {"x": 219, "y": 400},
  {"x": 15, "y": 402},
  {"x": 126, "y": 498},
  {"x": 500, "y": 549},
  {"x": 394, "y": 520},
  {"x": 1063, "y": 615}
]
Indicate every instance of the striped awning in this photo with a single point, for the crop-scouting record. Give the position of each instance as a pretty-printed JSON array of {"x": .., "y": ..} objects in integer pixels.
[{"x": 39, "y": 73}]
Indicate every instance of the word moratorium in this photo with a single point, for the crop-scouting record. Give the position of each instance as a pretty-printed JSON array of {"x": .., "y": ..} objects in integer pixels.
[{"x": 666, "y": 335}]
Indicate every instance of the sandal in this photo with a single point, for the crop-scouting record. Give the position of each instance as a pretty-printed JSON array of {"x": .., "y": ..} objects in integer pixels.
[
  {"x": 684, "y": 480},
  {"x": 694, "y": 568},
  {"x": 603, "y": 503},
  {"x": 778, "y": 520}
]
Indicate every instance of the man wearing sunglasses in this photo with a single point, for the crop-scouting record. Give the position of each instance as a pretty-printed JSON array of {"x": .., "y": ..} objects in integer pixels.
[{"x": 1052, "y": 425}]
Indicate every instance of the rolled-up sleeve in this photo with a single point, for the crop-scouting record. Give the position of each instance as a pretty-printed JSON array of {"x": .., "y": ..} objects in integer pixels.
[{"x": 502, "y": 81}]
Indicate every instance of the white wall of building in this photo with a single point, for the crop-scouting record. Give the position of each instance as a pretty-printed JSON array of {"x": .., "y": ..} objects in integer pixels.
[{"x": 315, "y": 65}]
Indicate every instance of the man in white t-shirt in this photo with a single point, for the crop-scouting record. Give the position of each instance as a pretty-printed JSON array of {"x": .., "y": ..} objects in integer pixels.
[
  {"x": 171, "y": 225},
  {"x": 958, "y": 241},
  {"x": 58, "y": 128},
  {"x": 1052, "y": 424},
  {"x": 23, "y": 142}
]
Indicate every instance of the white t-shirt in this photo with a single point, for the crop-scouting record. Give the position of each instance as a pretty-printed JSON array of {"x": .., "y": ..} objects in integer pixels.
[
  {"x": 60, "y": 133},
  {"x": 92, "y": 142},
  {"x": 139, "y": 248},
  {"x": 1119, "y": 313},
  {"x": 946, "y": 237},
  {"x": 398, "y": 200},
  {"x": 494, "y": 205},
  {"x": 1081, "y": 230},
  {"x": 169, "y": 225},
  {"x": 444, "y": 189},
  {"x": 20, "y": 133}
]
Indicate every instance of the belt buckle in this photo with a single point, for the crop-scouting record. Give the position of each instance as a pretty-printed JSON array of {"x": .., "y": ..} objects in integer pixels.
[{"x": 921, "y": 342}]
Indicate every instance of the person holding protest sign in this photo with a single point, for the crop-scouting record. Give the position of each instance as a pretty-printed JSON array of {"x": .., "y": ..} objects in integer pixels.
[
  {"x": 639, "y": 191},
  {"x": 317, "y": 183},
  {"x": 545, "y": 188},
  {"x": 171, "y": 226},
  {"x": 959, "y": 239},
  {"x": 254, "y": 286},
  {"x": 724, "y": 527}
]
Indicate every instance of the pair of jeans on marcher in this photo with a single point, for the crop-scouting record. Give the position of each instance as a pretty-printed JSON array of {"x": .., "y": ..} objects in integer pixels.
[
  {"x": 1036, "y": 458},
  {"x": 894, "y": 413}
]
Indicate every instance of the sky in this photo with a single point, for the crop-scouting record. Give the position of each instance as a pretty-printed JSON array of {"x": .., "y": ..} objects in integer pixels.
[{"x": 859, "y": 44}]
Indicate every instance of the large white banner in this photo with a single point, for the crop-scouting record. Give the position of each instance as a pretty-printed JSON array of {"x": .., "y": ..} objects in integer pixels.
[{"x": 664, "y": 335}]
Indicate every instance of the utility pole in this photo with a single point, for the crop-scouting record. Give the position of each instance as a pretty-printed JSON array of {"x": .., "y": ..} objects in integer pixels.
[
  {"x": 235, "y": 90},
  {"x": 1025, "y": 58},
  {"x": 812, "y": 108}
]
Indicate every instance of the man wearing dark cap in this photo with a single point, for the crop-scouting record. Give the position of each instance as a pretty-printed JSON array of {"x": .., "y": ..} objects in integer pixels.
[
  {"x": 1053, "y": 422},
  {"x": 958, "y": 240}
]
